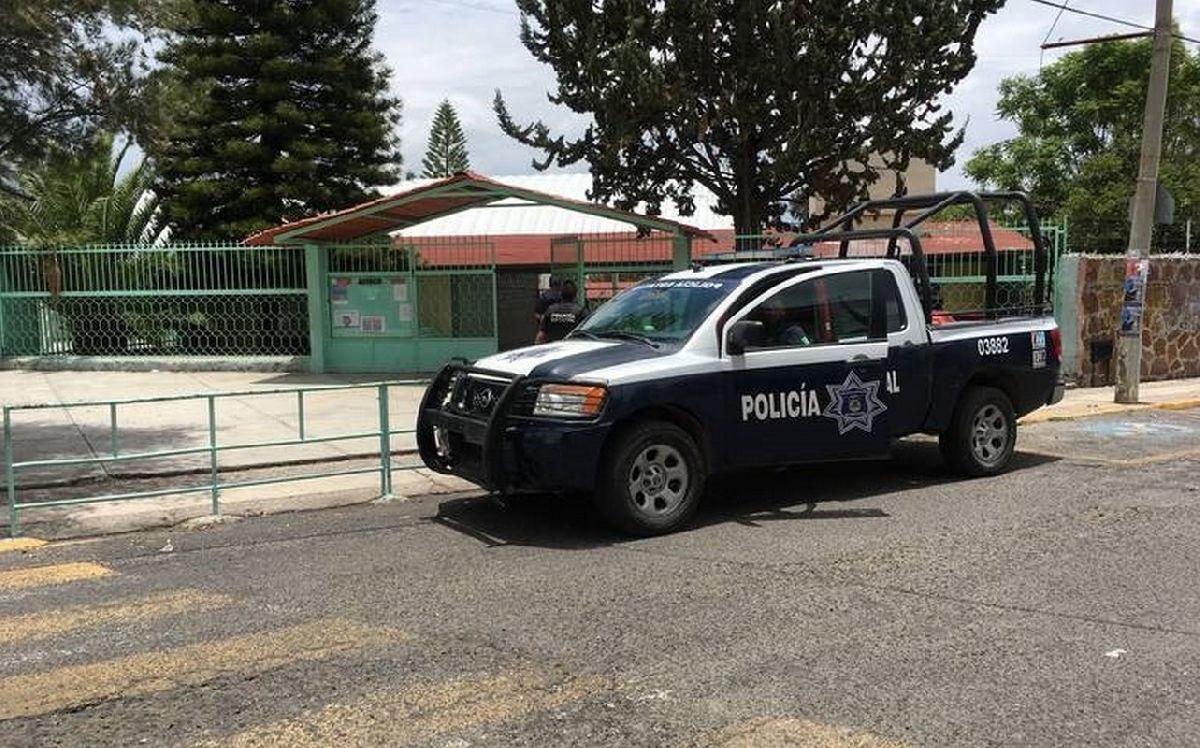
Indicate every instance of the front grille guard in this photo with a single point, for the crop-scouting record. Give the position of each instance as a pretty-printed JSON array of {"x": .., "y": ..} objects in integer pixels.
[{"x": 492, "y": 474}]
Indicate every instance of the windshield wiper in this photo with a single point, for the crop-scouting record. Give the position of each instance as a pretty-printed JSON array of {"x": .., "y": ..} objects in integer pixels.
[{"x": 623, "y": 335}]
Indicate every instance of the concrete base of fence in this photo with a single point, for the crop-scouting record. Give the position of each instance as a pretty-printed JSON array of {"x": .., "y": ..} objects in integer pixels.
[
  {"x": 59, "y": 523},
  {"x": 265, "y": 364}
]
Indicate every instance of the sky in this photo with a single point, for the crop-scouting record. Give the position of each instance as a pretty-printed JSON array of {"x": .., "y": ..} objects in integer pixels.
[{"x": 463, "y": 50}]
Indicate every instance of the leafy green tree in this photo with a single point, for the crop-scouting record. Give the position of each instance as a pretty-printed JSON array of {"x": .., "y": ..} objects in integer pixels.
[
  {"x": 67, "y": 69},
  {"x": 285, "y": 112},
  {"x": 759, "y": 100},
  {"x": 447, "y": 151},
  {"x": 1078, "y": 141}
]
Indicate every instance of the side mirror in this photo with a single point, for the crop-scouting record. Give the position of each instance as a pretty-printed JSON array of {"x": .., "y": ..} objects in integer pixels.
[{"x": 743, "y": 334}]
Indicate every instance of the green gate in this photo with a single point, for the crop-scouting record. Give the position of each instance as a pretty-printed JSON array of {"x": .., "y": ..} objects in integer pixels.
[
  {"x": 406, "y": 308},
  {"x": 603, "y": 265}
]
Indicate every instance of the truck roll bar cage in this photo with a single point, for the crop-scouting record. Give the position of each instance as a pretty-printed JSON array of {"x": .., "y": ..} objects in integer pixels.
[{"x": 841, "y": 229}]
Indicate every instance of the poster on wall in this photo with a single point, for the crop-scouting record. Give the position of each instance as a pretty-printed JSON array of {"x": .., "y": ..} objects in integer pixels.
[
  {"x": 345, "y": 320},
  {"x": 373, "y": 323},
  {"x": 399, "y": 289},
  {"x": 339, "y": 291},
  {"x": 405, "y": 313}
]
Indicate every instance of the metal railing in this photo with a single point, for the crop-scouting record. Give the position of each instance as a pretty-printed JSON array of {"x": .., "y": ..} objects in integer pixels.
[{"x": 213, "y": 449}]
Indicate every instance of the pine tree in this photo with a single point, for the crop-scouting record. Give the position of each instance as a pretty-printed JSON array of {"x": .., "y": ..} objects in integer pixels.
[
  {"x": 284, "y": 113},
  {"x": 447, "y": 151},
  {"x": 758, "y": 100}
]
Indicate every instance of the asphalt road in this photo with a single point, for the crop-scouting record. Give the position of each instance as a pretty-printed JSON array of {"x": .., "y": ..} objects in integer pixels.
[{"x": 867, "y": 604}]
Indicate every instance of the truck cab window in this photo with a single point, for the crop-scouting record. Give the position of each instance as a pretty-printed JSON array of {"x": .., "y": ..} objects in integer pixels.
[
  {"x": 848, "y": 297},
  {"x": 897, "y": 320}
]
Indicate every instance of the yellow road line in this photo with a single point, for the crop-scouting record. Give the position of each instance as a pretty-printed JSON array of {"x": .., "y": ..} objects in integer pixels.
[
  {"x": 1181, "y": 454},
  {"x": 419, "y": 713},
  {"x": 39, "y": 576},
  {"x": 32, "y": 626},
  {"x": 20, "y": 544},
  {"x": 191, "y": 665},
  {"x": 788, "y": 732}
]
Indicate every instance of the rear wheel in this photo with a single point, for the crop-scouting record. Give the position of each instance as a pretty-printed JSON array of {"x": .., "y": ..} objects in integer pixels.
[
  {"x": 651, "y": 479},
  {"x": 982, "y": 433}
]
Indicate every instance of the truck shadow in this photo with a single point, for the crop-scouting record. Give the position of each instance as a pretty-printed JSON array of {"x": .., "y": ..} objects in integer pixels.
[{"x": 827, "y": 491}]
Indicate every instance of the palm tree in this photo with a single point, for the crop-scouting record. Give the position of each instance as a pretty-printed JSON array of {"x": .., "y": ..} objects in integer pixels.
[
  {"x": 77, "y": 199},
  {"x": 83, "y": 198}
]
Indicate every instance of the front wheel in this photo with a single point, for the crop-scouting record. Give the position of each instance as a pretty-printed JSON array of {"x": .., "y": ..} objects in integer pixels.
[
  {"x": 651, "y": 479},
  {"x": 982, "y": 433}
]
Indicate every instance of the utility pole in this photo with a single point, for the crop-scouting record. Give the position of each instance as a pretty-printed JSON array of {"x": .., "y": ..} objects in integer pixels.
[{"x": 1137, "y": 257}]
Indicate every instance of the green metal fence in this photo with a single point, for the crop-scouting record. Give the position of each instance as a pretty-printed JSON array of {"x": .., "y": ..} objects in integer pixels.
[
  {"x": 957, "y": 266},
  {"x": 381, "y": 436},
  {"x": 129, "y": 300}
]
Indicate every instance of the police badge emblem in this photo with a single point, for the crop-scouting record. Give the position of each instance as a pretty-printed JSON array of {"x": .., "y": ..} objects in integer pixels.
[{"x": 854, "y": 404}]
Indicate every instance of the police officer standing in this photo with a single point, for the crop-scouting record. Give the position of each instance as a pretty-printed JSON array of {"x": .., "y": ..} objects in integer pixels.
[
  {"x": 562, "y": 317},
  {"x": 545, "y": 298}
]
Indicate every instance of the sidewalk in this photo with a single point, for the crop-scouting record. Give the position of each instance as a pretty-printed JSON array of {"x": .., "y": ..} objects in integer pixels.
[
  {"x": 1175, "y": 394},
  {"x": 83, "y": 432}
]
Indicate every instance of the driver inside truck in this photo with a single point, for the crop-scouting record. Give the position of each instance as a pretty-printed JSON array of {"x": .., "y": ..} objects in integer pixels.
[{"x": 780, "y": 329}]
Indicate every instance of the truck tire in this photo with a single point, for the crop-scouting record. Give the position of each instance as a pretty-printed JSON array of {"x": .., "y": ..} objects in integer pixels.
[
  {"x": 982, "y": 433},
  {"x": 651, "y": 479}
]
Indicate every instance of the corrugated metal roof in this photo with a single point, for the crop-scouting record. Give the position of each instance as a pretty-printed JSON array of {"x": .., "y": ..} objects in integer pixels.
[
  {"x": 417, "y": 203},
  {"x": 507, "y": 218}
]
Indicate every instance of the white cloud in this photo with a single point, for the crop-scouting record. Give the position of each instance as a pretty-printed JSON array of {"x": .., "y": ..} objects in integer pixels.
[{"x": 465, "y": 49}]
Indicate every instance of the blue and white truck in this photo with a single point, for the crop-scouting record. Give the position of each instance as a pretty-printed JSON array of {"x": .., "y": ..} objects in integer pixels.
[{"x": 747, "y": 364}]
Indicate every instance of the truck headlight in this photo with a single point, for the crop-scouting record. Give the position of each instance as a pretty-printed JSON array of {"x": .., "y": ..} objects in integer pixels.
[{"x": 569, "y": 400}]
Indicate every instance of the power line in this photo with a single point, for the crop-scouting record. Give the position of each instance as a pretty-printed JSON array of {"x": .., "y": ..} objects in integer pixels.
[
  {"x": 1111, "y": 19},
  {"x": 1102, "y": 17},
  {"x": 1057, "y": 16},
  {"x": 1056, "y": 19}
]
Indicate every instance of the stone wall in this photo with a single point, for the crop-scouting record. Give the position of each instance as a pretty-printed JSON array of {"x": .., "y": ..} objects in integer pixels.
[{"x": 1171, "y": 336}]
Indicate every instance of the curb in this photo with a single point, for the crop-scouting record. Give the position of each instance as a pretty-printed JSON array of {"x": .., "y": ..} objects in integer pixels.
[
  {"x": 253, "y": 364},
  {"x": 1108, "y": 409}
]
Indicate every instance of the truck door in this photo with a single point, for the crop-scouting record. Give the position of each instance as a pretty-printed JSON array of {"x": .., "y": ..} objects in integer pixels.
[
  {"x": 814, "y": 386},
  {"x": 908, "y": 380}
]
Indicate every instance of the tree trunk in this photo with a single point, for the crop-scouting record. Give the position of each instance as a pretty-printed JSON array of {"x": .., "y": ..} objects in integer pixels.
[{"x": 747, "y": 210}]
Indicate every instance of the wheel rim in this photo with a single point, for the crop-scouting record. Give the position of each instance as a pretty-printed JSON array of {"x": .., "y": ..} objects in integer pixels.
[
  {"x": 658, "y": 480},
  {"x": 990, "y": 436}
]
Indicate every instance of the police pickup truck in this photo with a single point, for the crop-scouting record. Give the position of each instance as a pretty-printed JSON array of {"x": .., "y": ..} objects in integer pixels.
[{"x": 750, "y": 364}]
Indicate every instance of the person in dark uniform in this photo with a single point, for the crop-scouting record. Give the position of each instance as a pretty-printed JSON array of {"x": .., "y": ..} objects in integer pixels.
[
  {"x": 551, "y": 295},
  {"x": 562, "y": 317}
]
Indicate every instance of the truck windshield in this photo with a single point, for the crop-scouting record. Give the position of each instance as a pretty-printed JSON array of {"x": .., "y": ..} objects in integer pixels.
[{"x": 662, "y": 311}]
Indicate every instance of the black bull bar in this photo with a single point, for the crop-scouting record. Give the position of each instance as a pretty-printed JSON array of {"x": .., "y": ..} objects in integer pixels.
[{"x": 437, "y": 411}]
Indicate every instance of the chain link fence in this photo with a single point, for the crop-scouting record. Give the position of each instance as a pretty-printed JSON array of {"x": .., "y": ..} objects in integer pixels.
[{"x": 178, "y": 300}]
